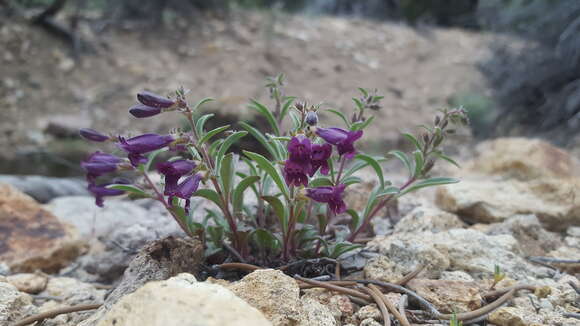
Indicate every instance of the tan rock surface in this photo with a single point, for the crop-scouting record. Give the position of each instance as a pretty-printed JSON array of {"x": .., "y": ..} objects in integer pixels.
[
  {"x": 32, "y": 238},
  {"x": 448, "y": 296}
]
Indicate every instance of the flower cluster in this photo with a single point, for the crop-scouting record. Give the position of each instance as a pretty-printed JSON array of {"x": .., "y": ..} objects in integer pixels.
[
  {"x": 298, "y": 187},
  {"x": 306, "y": 158},
  {"x": 136, "y": 148}
]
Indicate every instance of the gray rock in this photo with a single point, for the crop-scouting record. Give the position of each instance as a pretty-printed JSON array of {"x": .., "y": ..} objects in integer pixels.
[
  {"x": 533, "y": 238},
  {"x": 13, "y": 304},
  {"x": 44, "y": 189},
  {"x": 178, "y": 301},
  {"x": 157, "y": 261},
  {"x": 427, "y": 218},
  {"x": 458, "y": 249}
]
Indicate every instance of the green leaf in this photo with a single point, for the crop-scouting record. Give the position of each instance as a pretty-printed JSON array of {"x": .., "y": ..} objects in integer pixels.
[
  {"x": 263, "y": 110},
  {"x": 428, "y": 183},
  {"x": 212, "y": 133},
  {"x": 340, "y": 115},
  {"x": 388, "y": 191},
  {"x": 286, "y": 106},
  {"x": 267, "y": 166},
  {"x": 360, "y": 105},
  {"x": 296, "y": 121},
  {"x": 227, "y": 170},
  {"x": 260, "y": 138},
  {"x": 375, "y": 165},
  {"x": 419, "y": 163},
  {"x": 341, "y": 248},
  {"x": 446, "y": 158},
  {"x": 279, "y": 210},
  {"x": 210, "y": 195},
  {"x": 413, "y": 140},
  {"x": 201, "y": 123},
  {"x": 228, "y": 142},
  {"x": 238, "y": 194},
  {"x": 265, "y": 240},
  {"x": 130, "y": 189},
  {"x": 320, "y": 182},
  {"x": 202, "y": 102},
  {"x": 214, "y": 147},
  {"x": 356, "y": 221},
  {"x": 359, "y": 125},
  {"x": 403, "y": 158},
  {"x": 351, "y": 179},
  {"x": 363, "y": 91}
]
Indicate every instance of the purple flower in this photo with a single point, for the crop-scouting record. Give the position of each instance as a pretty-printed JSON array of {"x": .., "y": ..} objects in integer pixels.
[
  {"x": 100, "y": 191},
  {"x": 296, "y": 173},
  {"x": 320, "y": 156},
  {"x": 93, "y": 135},
  {"x": 330, "y": 195},
  {"x": 311, "y": 118},
  {"x": 144, "y": 143},
  {"x": 99, "y": 163},
  {"x": 299, "y": 149},
  {"x": 188, "y": 186},
  {"x": 172, "y": 172},
  {"x": 144, "y": 111},
  {"x": 154, "y": 100},
  {"x": 341, "y": 138}
]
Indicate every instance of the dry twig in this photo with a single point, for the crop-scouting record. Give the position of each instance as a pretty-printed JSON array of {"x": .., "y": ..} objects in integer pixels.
[{"x": 53, "y": 313}]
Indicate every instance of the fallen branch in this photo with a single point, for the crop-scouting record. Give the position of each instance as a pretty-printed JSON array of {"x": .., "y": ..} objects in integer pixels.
[
  {"x": 410, "y": 276},
  {"x": 390, "y": 305},
  {"x": 380, "y": 304},
  {"x": 56, "y": 312}
]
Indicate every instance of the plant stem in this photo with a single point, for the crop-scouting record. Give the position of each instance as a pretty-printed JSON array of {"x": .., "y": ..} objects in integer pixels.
[
  {"x": 161, "y": 198},
  {"x": 377, "y": 208},
  {"x": 340, "y": 169},
  {"x": 291, "y": 223}
]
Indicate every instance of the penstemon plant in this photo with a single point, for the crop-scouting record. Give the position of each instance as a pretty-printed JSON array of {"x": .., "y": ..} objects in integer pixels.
[{"x": 298, "y": 185}]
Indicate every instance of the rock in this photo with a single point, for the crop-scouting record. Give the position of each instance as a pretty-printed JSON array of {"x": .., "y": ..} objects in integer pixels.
[
  {"x": 369, "y": 322},
  {"x": 315, "y": 314},
  {"x": 524, "y": 159},
  {"x": 456, "y": 276},
  {"x": 28, "y": 282},
  {"x": 95, "y": 221},
  {"x": 566, "y": 253},
  {"x": 339, "y": 306},
  {"x": 43, "y": 189},
  {"x": 157, "y": 261},
  {"x": 458, "y": 249},
  {"x": 122, "y": 228},
  {"x": 448, "y": 296},
  {"x": 511, "y": 316},
  {"x": 492, "y": 200},
  {"x": 33, "y": 238},
  {"x": 533, "y": 238},
  {"x": 272, "y": 292},
  {"x": 383, "y": 269},
  {"x": 14, "y": 305},
  {"x": 573, "y": 231},
  {"x": 179, "y": 302},
  {"x": 370, "y": 311},
  {"x": 425, "y": 218}
]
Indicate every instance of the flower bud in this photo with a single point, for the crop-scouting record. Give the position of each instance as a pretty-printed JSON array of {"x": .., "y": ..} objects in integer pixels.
[
  {"x": 311, "y": 118},
  {"x": 154, "y": 100},
  {"x": 93, "y": 135},
  {"x": 144, "y": 111}
]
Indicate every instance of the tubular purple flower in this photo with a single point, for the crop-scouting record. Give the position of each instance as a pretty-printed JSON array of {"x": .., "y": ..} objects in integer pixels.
[
  {"x": 341, "y": 138},
  {"x": 320, "y": 156},
  {"x": 99, "y": 163},
  {"x": 92, "y": 135},
  {"x": 330, "y": 195},
  {"x": 144, "y": 111},
  {"x": 188, "y": 186},
  {"x": 172, "y": 172},
  {"x": 144, "y": 143},
  {"x": 299, "y": 148},
  {"x": 100, "y": 191},
  {"x": 154, "y": 100},
  {"x": 296, "y": 173}
]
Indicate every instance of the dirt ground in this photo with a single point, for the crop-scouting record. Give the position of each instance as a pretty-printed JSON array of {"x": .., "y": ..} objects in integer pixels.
[{"x": 325, "y": 60}]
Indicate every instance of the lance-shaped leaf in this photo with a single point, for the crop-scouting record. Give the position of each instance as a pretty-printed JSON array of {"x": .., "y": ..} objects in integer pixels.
[
  {"x": 279, "y": 210},
  {"x": 419, "y": 163},
  {"x": 201, "y": 123},
  {"x": 228, "y": 142},
  {"x": 413, "y": 140},
  {"x": 238, "y": 194},
  {"x": 375, "y": 165},
  {"x": 269, "y": 168},
  {"x": 130, "y": 189},
  {"x": 263, "y": 110},
  {"x": 261, "y": 139},
  {"x": 405, "y": 159},
  {"x": 360, "y": 125},
  {"x": 428, "y": 183},
  {"x": 227, "y": 170},
  {"x": 212, "y": 133},
  {"x": 340, "y": 115},
  {"x": 210, "y": 195}
]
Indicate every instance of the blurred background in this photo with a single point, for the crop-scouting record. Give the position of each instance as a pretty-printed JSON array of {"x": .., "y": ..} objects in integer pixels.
[{"x": 65, "y": 65}]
